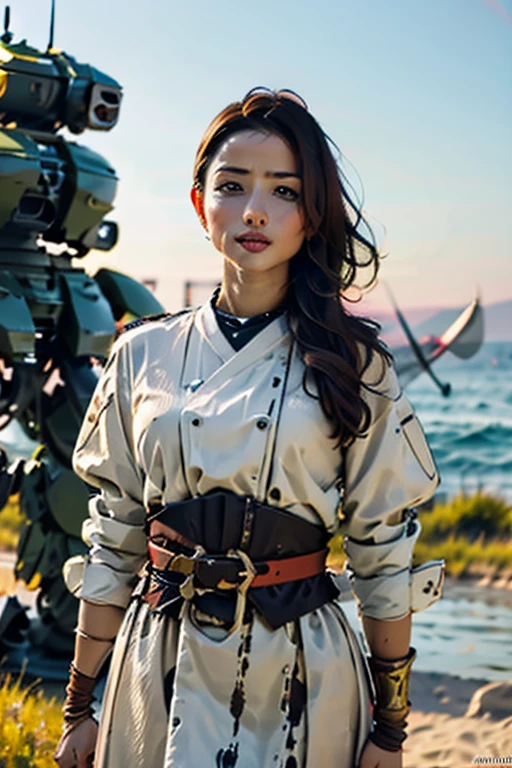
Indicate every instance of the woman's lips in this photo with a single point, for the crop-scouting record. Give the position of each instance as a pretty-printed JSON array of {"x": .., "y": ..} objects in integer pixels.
[
  {"x": 254, "y": 246},
  {"x": 253, "y": 242}
]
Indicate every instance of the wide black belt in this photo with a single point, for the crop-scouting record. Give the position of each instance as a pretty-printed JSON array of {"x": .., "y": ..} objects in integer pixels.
[
  {"x": 221, "y": 520},
  {"x": 220, "y": 524}
]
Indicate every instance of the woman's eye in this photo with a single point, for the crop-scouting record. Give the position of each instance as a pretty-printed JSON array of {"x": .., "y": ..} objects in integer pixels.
[
  {"x": 229, "y": 186},
  {"x": 286, "y": 192}
]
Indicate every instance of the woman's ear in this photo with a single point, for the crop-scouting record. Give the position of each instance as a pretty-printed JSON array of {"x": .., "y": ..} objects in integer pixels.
[
  {"x": 309, "y": 232},
  {"x": 197, "y": 201}
]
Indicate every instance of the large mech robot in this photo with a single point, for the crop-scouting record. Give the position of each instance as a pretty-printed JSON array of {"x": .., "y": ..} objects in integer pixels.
[{"x": 56, "y": 322}]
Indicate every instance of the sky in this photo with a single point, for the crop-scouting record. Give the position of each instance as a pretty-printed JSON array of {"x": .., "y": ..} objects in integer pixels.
[{"x": 417, "y": 96}]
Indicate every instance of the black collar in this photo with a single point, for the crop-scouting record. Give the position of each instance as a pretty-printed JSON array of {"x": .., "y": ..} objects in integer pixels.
[{"x": 239, "y": 331}]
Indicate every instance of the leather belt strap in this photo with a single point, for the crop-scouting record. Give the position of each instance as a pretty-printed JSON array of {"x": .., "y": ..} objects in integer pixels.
[
  {"x": 291, "y": 569},
  {"x": 230, "y": 568}
]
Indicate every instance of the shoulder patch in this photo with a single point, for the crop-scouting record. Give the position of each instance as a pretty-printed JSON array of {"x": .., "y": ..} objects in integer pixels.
[{"x": 140, "y": 321}]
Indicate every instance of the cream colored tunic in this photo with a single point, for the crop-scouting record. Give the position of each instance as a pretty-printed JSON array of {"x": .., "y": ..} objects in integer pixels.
[{"x": 179, "y": 412}]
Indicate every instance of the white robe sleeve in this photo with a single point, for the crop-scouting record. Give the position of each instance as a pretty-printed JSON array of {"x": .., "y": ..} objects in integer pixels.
[
  {"x": 103, "y": 457},
  {"x": 386, "y": 473}
]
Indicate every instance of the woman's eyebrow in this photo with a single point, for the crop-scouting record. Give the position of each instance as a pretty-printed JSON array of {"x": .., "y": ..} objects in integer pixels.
[
  {"x": 246, "y": 172},
  {"x": 282, "y": 175},
  {"x": 232, "y": 169}
]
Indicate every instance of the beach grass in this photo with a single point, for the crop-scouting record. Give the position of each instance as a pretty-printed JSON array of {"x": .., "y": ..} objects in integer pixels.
[
  {"x": 473, "y": 534},
  {"x": 477, "y": 517},
  {"x": 467, "y": 558},
  {"x": 30, "y": 726},
  {"x": 11, "y": 520}
]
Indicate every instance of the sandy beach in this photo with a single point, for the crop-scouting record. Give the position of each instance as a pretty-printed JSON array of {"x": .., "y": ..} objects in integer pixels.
[{"x": 453, "y": 721}]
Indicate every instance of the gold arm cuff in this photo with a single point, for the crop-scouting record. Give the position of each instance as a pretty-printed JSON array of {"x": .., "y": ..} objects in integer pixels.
[{"x": 391, "y": 680}]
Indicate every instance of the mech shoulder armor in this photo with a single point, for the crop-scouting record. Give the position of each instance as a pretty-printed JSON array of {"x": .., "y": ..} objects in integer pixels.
[{"x": 126, "y": 296}]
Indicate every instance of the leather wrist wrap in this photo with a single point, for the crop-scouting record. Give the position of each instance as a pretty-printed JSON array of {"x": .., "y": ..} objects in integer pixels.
[
  {"x": 391, "y": 680},
  {"x": 79, "y": 698}
]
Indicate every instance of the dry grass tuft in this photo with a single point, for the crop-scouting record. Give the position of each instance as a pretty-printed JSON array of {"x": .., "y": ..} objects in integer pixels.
[
  {"x": 11, "y": 521},
  {"x": 30, "y": 726}
]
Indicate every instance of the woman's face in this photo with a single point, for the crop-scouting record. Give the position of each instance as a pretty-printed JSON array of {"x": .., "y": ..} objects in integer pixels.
[{"x": 252, "y": 201}]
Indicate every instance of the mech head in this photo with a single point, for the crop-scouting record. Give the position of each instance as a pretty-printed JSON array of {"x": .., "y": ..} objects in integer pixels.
[
  {"x": 52, "y": 188},
  {"x": 45, "y": 91}
]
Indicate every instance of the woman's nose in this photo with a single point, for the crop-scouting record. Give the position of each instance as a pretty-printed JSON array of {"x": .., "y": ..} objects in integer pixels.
[{"x": 255, "y": 214}]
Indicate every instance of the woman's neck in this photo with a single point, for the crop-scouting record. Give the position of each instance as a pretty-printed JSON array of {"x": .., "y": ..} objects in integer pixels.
[{"x": 247, "y": 294}]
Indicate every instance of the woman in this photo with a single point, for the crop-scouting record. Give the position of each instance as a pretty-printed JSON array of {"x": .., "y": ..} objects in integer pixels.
[{"x": 223, "y": 440}]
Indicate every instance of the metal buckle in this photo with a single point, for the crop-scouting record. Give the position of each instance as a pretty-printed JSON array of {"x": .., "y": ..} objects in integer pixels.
[
  {"x": 235, "y": 570},
  {"x": 182, "y": 564},
  {"x": 243, "y": 588},
  {"x": 187, "y": 566},
  {"x": 221, "y": 572}
]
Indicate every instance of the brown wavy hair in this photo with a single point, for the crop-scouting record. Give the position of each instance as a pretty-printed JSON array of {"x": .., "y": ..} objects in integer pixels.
[{"x": 337, "y": 347}]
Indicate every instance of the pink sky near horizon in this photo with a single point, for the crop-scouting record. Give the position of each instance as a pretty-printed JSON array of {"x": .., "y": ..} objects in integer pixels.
[{"x": 498, "y": 7}]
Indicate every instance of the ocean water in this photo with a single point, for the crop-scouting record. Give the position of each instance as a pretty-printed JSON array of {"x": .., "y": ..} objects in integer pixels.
[
  {"x": 468, "y": 633},
  {"x": 470, "y": 431}
]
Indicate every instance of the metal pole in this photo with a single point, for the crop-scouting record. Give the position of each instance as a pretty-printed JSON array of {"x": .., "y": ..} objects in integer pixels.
[{"x": 52, "y": 27}]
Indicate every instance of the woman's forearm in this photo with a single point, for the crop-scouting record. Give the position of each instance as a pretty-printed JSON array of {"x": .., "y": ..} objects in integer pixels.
[
  {"x": 388, "y": 639},
  {"x": 98, "y": 626},
  {"x": 390, "y": 665}
]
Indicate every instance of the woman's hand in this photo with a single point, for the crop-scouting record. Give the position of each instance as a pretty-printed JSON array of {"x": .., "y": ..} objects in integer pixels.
[
  {"x": 375, "y": 757},
  {"x": 76, "y": 748}
]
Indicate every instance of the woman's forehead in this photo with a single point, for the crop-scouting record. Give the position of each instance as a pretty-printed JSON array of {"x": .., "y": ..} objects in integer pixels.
[{"x": 254, "y": 150}]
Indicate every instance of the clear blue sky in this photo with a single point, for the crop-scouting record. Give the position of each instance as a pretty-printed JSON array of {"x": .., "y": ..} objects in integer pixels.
[{"x": 418, "y": 96}]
